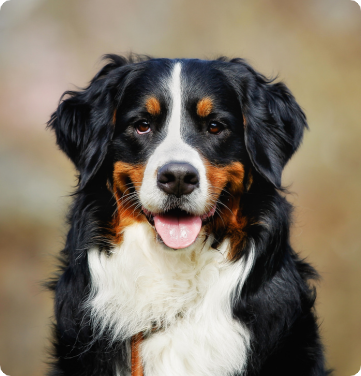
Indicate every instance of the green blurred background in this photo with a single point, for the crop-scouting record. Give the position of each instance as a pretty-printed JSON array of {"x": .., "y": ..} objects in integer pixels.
[{"x": 48, "y": 47}]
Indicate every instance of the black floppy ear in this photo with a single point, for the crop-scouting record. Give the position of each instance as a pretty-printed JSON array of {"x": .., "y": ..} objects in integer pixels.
[
  {"x": 83, "y": 122},
  {"x": 274, "y": 125}
]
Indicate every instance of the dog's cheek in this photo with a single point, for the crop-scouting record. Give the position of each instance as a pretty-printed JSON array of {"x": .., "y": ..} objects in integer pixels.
[
  {"x": 127, "y": 179},
  {"x": 227, "y": 186}
]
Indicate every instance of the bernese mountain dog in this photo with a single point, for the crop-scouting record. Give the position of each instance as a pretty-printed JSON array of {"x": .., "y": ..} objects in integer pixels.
[{"x": 178, "y": 258}]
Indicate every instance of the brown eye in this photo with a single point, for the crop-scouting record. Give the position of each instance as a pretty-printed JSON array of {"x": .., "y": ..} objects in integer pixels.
[
  {"x": 142, "y": 127},
  {"x": 215, "y": 128}
]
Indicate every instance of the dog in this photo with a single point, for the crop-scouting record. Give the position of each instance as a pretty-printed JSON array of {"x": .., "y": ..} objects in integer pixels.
[{"x": 178, "y": 258}]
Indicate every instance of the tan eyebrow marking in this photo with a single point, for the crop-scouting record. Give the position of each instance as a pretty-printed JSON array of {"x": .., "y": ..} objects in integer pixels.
[
  {"x": 204, "y": 107},
  {"x": 153, "y": 106}
]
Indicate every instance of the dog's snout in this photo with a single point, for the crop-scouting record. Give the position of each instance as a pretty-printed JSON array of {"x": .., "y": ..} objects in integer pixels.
[{"x": 178, "y": 178}]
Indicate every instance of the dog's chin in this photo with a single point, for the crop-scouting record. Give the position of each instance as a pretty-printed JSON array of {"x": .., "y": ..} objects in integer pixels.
[{"x": 177, "y": 229}]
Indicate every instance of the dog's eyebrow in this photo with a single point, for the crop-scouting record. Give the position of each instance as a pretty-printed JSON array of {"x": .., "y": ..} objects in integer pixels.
[
  {"x": 204, "y": 107},
  {"x": 153, "y": 106}
]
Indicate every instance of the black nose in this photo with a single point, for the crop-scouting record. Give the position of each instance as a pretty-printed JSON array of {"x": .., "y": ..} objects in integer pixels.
[{"x": 178, "y": 178}]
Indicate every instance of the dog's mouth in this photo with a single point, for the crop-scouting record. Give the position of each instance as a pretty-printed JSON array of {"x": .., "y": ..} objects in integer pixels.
[{"x": 177, "y": 228}]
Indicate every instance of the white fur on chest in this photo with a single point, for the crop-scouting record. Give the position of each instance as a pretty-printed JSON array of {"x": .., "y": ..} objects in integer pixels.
[{"x": 188, "y": 294}]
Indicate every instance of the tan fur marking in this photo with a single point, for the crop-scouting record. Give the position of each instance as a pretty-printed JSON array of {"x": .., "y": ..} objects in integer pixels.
[
  {"x": 125, "y": 178},
  {"x": 204, "y": 107},
  {"x": 244, "y": 121},
  {"x": 229, "y": 221},
  {"x": 153, "y": 106},
  {"x": 250, "y": 180},
  {"x": 114, "y": 116},
  {"x": 137, "y": 367}
]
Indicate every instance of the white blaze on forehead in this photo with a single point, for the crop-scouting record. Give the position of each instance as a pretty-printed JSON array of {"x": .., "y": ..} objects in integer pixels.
[
  {"x": 173, "y": 145},
  {"x": 174, "y": 125},
  {"x": 174, "y": 149}
]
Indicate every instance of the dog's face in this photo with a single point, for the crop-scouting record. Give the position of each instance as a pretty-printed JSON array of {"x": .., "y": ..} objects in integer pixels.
[
  {"x": 180, "y": 142},
  {"x": 177, "y": 123}
]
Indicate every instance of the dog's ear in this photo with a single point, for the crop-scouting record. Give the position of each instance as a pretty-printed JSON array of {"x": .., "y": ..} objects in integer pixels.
[
  {"x": 84, "y": 121},
  {"x": 273, "y": 121},
  {"x": 274, "y": 125}
]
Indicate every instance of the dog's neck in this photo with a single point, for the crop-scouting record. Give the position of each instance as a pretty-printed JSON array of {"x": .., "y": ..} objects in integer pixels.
[
  {"x": 142, "y": 287},
  {"x": 145, "y": 285}
]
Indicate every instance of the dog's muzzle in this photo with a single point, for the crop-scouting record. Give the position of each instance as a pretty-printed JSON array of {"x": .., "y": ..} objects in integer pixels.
[{"x": 176, "y": 227}]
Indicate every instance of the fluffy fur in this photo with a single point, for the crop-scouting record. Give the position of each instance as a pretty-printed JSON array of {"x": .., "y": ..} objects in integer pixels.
[
  {"x": 235, "y": 302},
  {"x": 142, "y": 287}
]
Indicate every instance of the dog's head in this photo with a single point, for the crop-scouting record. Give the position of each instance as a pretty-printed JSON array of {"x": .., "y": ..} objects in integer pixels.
[{"x": 179, "y": 142}]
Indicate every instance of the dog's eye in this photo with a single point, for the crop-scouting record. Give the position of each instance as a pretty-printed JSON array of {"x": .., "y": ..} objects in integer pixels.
[
  {"x": 215, "y": 128},
  {"x": 142, "y": 127}
]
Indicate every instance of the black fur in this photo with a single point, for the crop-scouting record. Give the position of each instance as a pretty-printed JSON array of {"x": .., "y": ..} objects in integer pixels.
[{"x": 277, "y": 302}]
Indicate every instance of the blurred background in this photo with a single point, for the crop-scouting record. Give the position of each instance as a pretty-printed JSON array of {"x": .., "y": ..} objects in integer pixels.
[{"x": 48, "y": 47}]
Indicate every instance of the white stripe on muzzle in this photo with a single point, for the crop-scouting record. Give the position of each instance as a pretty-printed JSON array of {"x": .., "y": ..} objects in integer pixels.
[{"x": 174, "y": 149}]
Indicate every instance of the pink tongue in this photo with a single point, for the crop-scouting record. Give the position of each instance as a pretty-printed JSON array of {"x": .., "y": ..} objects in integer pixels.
[{"x": 177, "y": 232}]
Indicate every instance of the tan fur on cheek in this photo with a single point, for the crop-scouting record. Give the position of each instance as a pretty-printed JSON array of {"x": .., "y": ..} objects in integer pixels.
[
  {"x": 229, "y": 221},
  {"x": 153, "y": 106},
  {"x": 231, "y": 176},
  {"x": 127, "y": 180},
  {"x": 204, "y": 107}
]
